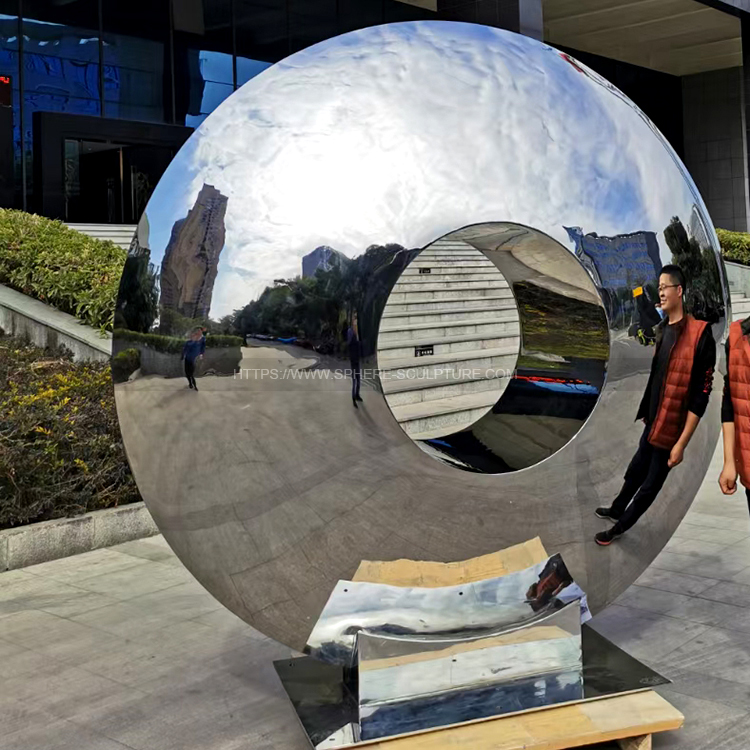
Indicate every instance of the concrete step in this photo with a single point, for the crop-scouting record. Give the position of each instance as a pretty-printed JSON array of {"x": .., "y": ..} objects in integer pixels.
[
  {"x": 740, "y": 306},
  {"x": 446, "y": 388},
  {"x": 441, "y": 294},
  {"x": 444, "y": 416},
  {"x": 468, "y": 345},
  {"x": 453, "y": 251},
  {"x": 447, "y": 275},
  {"x": 463, "y": 327},
  {"x": 120, "y": 234},
  {"x": 461, "y": 284},
  {"x": 447, "y": 263},
  {"x": 428, "y": 312},
  {"x": 429, "y": 366}
]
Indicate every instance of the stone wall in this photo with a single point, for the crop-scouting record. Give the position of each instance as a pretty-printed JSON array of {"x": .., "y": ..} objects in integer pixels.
[{"x": 713, "y": 110}]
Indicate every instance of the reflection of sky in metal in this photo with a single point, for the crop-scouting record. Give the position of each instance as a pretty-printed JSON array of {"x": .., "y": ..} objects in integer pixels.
[{"x": 401, "y": 133}]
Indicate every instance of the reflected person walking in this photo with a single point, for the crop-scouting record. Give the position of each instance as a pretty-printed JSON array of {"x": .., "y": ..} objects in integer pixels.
[
  {"x": 355, "y": 352},
  {"x": 193, "y": 349}
]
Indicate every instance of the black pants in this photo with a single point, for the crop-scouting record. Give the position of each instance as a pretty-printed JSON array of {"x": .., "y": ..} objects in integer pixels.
[
  {"x": 747, "y": 495},
  {"x": 356, "y": 379},
  {"x": 644, "y": 479},
  {"x": 190, "y": 372}
]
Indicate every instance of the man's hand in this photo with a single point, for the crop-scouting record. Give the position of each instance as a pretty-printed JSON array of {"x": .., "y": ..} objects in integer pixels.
[
  {"x": 200, "y": 356},
  {"x": 728, "y": 479},
  {"x": 675, "y": 456}
]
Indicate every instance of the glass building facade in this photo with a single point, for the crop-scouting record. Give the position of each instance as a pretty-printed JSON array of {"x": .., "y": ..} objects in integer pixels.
[
  {"x": 97, "y": 96},
  {"x": 154, "y": 63}
]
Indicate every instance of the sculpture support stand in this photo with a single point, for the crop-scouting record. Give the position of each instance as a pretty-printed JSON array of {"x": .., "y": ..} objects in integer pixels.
[{"x": 618, "y": 704}]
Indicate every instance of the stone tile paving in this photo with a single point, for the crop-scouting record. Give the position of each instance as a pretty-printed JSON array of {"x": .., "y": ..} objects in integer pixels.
[{"x": 121, "y": 648}]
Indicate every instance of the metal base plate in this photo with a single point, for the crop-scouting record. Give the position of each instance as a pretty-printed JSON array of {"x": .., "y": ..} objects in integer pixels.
[{"x": 325, "y": 696}]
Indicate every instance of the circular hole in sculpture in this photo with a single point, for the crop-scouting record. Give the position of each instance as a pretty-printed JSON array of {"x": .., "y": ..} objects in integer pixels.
[{"x": 492, "y": 347}]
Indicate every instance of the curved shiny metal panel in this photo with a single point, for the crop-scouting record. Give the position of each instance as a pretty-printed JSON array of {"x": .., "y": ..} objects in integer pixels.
[{"x": 350, "y": 156}]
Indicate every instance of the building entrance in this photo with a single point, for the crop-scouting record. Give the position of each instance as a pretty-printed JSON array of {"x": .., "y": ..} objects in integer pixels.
[{"x": 110, "y": 183}]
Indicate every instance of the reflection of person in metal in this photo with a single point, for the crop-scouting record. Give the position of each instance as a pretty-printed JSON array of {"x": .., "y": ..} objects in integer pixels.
[
  {"x": 735, "y": 410},
  {"x": 648, "y": 318},
  {"x": 355, "y": 350},
  {"x": 193, "y": 349},
  {"x": 552, "y": 580},
  {"x": 675, "y": 399}
]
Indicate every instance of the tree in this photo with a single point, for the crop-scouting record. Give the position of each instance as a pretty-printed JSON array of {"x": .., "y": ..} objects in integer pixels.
[{"x": 138, "y": 299}]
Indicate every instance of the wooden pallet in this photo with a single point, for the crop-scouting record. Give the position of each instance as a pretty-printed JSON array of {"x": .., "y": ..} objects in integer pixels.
[{"x": 629, "y": 720}]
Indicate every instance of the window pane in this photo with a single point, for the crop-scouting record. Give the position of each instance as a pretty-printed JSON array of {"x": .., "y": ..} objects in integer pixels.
[
  {"x": 133, "y": 78},
  {"x": 9, "y": 74},
  {"x": 247, "y": 69},
  {"x": 310, "y": 22},
  {"x": 359, "y": 14},
  {"x": 137, "y": 75},
  {"x": 261, "y": 29},
  {"x": 61, "y": 72}
]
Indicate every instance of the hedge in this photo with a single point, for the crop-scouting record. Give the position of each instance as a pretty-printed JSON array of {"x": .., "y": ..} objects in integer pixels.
[
  {"x": 735, "y": 246},
  {"x": 61, "y": 453},
  {"x": 173, "y": 344},
  {"x": 57, "y": 265},
  {"x": 124, "y": 364}
]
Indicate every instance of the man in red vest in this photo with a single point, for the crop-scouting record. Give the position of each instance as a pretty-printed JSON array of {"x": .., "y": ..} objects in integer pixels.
[
  {"x": 735, "y": 410},
  {"x": 675, "y": 399}
]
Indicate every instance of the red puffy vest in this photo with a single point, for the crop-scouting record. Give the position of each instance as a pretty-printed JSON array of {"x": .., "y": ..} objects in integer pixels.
[
  {"x": 673, "y": 407},
  {"x": 739, "y": 388}
]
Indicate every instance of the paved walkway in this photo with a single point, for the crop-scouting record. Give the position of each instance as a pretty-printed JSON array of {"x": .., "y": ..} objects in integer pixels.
[{"x": 121, "y": 648}]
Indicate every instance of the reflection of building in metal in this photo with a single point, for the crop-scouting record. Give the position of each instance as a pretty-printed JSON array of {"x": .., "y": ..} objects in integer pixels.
[
  {"x": 448, "y": 340},
  {"x": 139, "y": 245},
  {"x": 623, "y": 261},
  {"x": 323, "y": 257},
  {"x": 697, "y": 229},
  {"x": 191, "y": 260}
]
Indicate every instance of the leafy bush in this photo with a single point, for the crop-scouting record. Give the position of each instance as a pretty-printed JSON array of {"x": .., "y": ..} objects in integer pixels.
[
  {"x": 124, "y": 364},
  {"x": 60, "y": 448},
  {"x": 46, "y": 260},
  {"x": 172, "y": 344},
  {"x": 223, "y": 342},
  {"x": 735, "y": 246}
]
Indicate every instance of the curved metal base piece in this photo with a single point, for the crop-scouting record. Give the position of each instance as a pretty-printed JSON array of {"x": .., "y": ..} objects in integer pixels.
[{"x": 325, "y": 701}]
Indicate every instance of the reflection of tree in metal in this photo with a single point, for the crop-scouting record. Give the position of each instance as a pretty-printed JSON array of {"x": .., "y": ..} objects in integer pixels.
[{"x": 703, "y": 297}]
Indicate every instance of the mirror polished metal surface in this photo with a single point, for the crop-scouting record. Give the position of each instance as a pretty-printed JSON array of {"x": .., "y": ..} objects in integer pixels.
[
  {"x": 325, "y": 698},
  {"x": 409, "y": 684},
  {"x": 508, "y": 601},
  {"x": 303, "y": 200}
]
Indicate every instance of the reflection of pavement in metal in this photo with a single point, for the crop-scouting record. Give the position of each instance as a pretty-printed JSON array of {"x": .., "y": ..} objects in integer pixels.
[
  {"x": 448, "y": 340},
  {"x": 290, "y": 357}
]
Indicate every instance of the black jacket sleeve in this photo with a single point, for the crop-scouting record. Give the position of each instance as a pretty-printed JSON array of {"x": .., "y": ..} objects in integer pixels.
[
  {"x": 727, "y": 408},
  {"x": 702, "y": 377}
]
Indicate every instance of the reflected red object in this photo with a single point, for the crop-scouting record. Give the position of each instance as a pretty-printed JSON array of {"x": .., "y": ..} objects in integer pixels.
[{"x": 6, "y": 90}]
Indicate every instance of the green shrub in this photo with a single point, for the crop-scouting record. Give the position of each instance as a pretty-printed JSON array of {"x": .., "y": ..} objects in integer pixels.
[
  {"x": 222, "y": 342},
  {"x": 166, "y": 344},
  {"x": 173, "y": 344},
  {"x": 60, "y": 448},
  {"x": 57, "y": 265},
  {"x": 735, "y": 246},
  {"x": 124, "y": 364}
]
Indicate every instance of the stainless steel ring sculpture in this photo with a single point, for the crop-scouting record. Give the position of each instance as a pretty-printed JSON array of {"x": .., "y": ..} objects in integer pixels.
[{"x": 270, "y": 482}]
